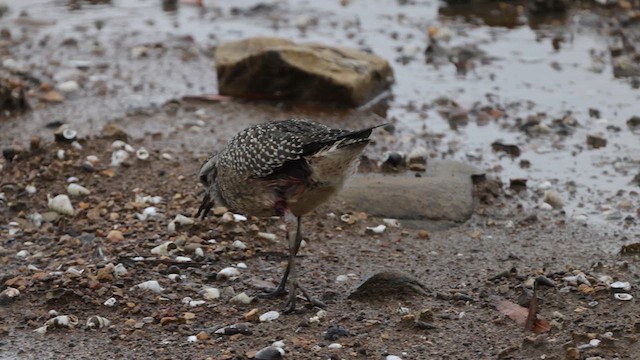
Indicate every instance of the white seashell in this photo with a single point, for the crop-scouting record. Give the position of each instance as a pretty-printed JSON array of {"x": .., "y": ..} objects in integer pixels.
[
  {"x": 30, "y": 189},
  {"x": 623, "y": 296},
  {"x": 391, "y": 222},
  {"x": 545, "y": 207},
  {"x": 110, "y": 302},
  {"x": 97, "y": 322},
  {"x": 118, "y": 144},
  {"x": 171, "y": 227},
  {"x": 41, "y": 330},
  {"x": 239, "y": 245},
  {"x": 76, "y": 145},
  {"x": 148, "y": 212},
  {"x": 165, "y": 249},
  {"x": 211, "y": 293},
  {"x": 119, "y": 270},
  {"x": 239, "y": 218},
  {"x": 621, "y": 285},
  {"x": 342, "y": 278},
  {"x": 393, "y": 357},
  {"x": 334, "y": 346},
  {"x": 228, "y": 273},
  {"x": 118, "y": 157},
  {"x": 198, "y": 252},
  {"x": 152, "y": 285},
  {"x": 377, "y": 229},
  {"x": 241, "y": 298},
  {"x": 176, "y": 277},
  {"x": 60, "y": 154},
  {"x": 269, "y": 316},
  {"x": 183, "y": 220},
  {"x": 192, "y": 339},
  {"x": 167, "y": 156},
  {"x": 142, "y": 154},
  {"x": 278, "y": 343},
  {"x": 128, "y": 148},
  {"x": 226, "y": 217},
  {"x": 76, "y": 190},
  {"x": 241, "y": 265},
  {"x": 61, "y": 204},
  {"x": 194, "y": 303},
  {"x": 267, "y": 236}
]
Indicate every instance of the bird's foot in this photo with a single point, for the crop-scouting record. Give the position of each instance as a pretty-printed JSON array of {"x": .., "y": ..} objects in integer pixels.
[
  {"x": 273, "y": 292},
  {"x": 290, "y": 306}
]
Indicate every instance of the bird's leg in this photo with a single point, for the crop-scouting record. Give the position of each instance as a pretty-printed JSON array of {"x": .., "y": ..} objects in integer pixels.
[{"x": 294, "y": 246}]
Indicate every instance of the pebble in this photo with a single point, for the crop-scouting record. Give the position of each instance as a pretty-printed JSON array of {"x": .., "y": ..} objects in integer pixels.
[
  {"x": 68, "y": 86},
  {"x": 110, "y": 302},
  {"x": 239, "y": 245},
  {"x": 377, "y": 229},
  {"x": 393, "y": 357},
  {"x": 115, "y": 235},
  {"x": 241, "y": 298},
  {"x": 252, "y": 315},
  {"x": 211, "y": 293},
  {"x": 269, "y": 353},
  {"x": 8, "y": 295},
  {"x": 74, "y": 189},
  {"x": 192, "y": 339},
  {"x": 621, "y": 285},
  {"x": 546, "y": 207},
  {"x": 61, "y": 204},
  {"x": 342, "y": 278},
  {"x": 391, "y": 222},
  {"x": 267, "y": 236},
  {"x": 118, "y": 157},
  {"x": 165, "y": 249},
  {"x": 183, "y": 220},
  {"x": 119, "y": 270},
  {"x": 334, "y": 346},
  {"x": 241, "y": 328},
  {"x": 269, "y": 316},
  {"x": 552, "y": 198},
  {"x": 228, "y": 273}
]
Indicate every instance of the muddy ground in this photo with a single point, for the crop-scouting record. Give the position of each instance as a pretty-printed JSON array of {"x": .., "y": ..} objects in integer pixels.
[{"x": 62, "y": 267}]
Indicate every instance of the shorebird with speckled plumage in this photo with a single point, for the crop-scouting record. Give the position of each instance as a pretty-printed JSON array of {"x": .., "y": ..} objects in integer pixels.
[{"x": 282, "y": 168}]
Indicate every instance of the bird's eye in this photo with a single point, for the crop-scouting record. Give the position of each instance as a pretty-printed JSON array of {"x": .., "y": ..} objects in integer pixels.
[{"x": 203, "y": 178}]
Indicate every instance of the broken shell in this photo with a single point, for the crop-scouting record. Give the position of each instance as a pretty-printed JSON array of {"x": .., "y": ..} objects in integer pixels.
[
  {"x": 118, "y": 157},
  {"x": 61, "y": 204},
  {"x": 69, "y": 321},
  {"x": 183, "y": 220},
  {"x": 165, "y": 249},
  {"x": 142, "y": 154},
  {"x": 8, "y": 295},
  {"x": 376, "y": 230},
  {"x": 228, "y": 273},
  {"x": 623, "y": 296},
  {"x": 97, "y": 322},
  {"x": 621, "y": 285},
  {"x": 241, "y": 328},
  {"x": 269, "y": 316},
  {"x": 152, "y": 285},
  {"x": 76, "y": 190},
  {"x": 110, "y": 302},
  {"x": 192, "y": 339}
]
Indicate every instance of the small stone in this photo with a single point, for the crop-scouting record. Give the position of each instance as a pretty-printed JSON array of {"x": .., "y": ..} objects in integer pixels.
[
  {"x": 423, "y": 234},
  {"x": 269, "y": 353},
  {"x": 61, "y": 204},
  {"x": 596, "y": 142},
  {"x": 220, "y": 210},
  {"x": 68, "y": 86},
  {"x": 552, "y": 198},
  {"x": 228, "y": 273},
  {"x": 202, "y": 336},
  {"x": 252, "y": 315},
  {"x": 241, "y": 298},
  {"x": 168, "y": 320},
  {"x": 152, "y": 285},
  {"x": 241, "y": 328},
  {"x": 269, "y": 316},
  {"x": 52, "y": 96},
  {"x": 189, "y": 316},
  {"x": 572, "y": 354},
  {"x": 211, "y": 293},
  {"x": 115, "y": 235}
]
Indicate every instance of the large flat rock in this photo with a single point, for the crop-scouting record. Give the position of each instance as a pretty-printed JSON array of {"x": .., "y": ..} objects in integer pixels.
[
  {"x": 444, "y": 195},
  {"x": 265, "y": 67}
]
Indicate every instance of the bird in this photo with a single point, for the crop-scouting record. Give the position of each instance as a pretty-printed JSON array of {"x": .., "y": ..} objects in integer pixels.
[{"x": 283, "y": 168}]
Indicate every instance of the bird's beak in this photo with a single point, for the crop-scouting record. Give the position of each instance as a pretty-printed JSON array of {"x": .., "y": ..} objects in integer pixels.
[{"x": 205, "y": 206}]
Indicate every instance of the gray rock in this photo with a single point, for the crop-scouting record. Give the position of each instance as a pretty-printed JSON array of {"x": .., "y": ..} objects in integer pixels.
[
  {"x": 265, "y": 67},
  {"x": 444, "y": 193}
]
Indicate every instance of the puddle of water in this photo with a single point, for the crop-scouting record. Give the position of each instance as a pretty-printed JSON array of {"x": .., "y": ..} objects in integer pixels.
[{"x": 523, "y": 69}]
